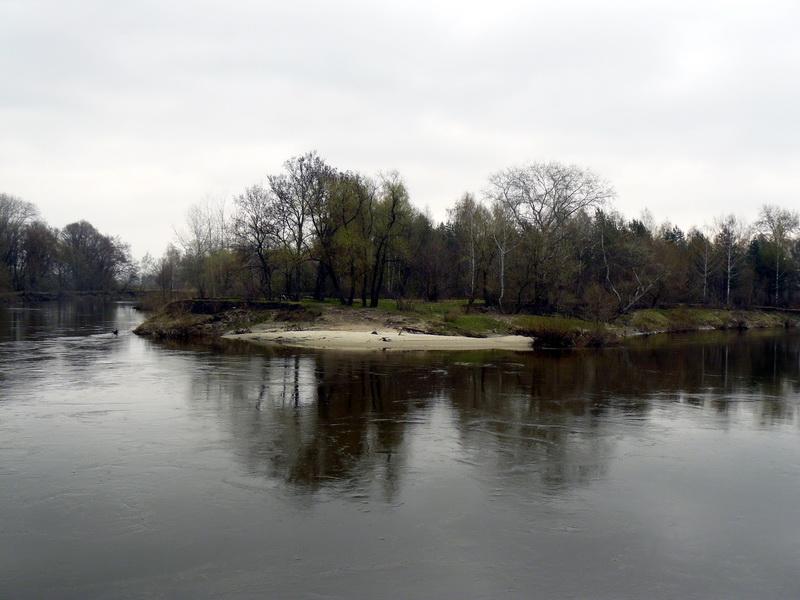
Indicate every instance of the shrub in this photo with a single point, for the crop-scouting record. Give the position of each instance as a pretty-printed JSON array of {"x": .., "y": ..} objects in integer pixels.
[{"x": 404, "y": 305}]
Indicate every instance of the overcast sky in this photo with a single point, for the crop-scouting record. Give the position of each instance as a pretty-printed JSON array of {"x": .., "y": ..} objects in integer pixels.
[{"x": 125, "y": 113}]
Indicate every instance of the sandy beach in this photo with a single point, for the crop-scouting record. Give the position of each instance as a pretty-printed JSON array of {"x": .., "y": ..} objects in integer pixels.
[{"x": 381, "y": 340}]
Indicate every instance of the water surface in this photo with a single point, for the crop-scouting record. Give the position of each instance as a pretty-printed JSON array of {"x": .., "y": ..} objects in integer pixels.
[{"x": 130, "y": 469}]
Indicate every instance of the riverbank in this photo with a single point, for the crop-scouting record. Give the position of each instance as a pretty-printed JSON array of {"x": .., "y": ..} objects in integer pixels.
[
  {"x": 449, "y": 325},
  {"x": 24, "y": 298}
]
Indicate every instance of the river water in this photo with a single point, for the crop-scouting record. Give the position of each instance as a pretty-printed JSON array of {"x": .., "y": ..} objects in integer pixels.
[{"x": 132, "y": 469}]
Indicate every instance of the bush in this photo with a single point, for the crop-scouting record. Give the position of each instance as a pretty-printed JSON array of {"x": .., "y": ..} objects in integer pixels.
[
  {"x": 600, "y": 305},
  {"x": 452, "y": 315},
  {"x": 404, "y": 305},
  {"x": 562, "y": 332}
]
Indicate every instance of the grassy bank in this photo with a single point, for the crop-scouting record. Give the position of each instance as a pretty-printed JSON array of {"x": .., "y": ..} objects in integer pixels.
[
  {"x": 198, "y": 319},
  {"x": 192, "y": 319},
  {"x": 571, "y": 332}
]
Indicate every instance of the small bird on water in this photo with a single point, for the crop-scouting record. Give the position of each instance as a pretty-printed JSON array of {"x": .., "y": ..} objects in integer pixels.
[{"x": 115, "y": 332}]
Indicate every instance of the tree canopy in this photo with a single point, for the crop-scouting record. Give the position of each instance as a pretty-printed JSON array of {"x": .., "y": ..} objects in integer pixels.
[{"x": 542, "y": 237}]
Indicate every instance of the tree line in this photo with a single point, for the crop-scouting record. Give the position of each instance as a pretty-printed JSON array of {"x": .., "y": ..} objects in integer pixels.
[
  {"x": 35, "y": 257},
  {"x": 542, "y": 237}
]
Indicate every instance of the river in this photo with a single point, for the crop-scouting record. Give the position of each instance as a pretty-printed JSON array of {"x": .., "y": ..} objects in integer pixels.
[{"x": 133, "y": 469}]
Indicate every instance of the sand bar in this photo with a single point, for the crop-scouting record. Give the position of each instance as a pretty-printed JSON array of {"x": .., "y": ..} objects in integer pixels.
[{"x": 383, "y": 340}]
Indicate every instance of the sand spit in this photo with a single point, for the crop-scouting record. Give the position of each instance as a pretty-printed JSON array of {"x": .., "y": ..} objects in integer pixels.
[{"x": 381, "y": 340}]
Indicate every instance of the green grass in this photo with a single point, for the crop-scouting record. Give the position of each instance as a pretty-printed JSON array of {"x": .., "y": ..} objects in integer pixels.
[
  {"x": 424, "y": 308},
  {"x": 678, "y": 319},
  {"x": 559, "y": 331},
  {"x": 472, "y": 325},
  {"x": 164, "y": 325},
  {"x": 690, "y": 319},
  {"x": 649, "y": 320},
  {"x": 554, "y": 322}
]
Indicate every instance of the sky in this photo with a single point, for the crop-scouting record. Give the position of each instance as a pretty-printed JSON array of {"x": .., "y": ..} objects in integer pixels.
[{"x": 126, "y": 113}]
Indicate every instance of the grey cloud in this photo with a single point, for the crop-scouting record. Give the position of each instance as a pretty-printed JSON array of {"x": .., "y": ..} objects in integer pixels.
[{"x": 126, "y": 113}]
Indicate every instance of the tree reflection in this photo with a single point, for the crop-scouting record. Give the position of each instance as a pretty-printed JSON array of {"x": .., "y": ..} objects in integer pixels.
[{"x": 345, "y": 422}]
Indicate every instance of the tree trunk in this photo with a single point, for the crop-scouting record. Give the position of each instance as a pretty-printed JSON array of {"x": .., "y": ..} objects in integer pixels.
[
  {"x": 472, "y": 273},
  {"x": 337, "y": 288},
  {"x": 502, "y": 280},
  {"x": 364, "y": 291},
  {"x": 377, "y": 279},
  {"x": 266, "y": 276},
  {"x": 705, "y": 274},
  {"x": 728, "y": 278},
  {"x": 352, "y": 294},
  {"x": 377, "y": 275},
  {"x": 319, "y": 285},
  {"x": 287, "y": 281}
]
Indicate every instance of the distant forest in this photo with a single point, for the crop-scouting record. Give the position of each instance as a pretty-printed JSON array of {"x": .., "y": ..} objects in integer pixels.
[
  {"x": 541, "y": 238},
  {"x": 39, "y": 258}
]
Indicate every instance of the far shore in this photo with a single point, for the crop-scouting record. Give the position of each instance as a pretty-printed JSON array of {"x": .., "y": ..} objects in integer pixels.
[{"x": 32, "y": 298}]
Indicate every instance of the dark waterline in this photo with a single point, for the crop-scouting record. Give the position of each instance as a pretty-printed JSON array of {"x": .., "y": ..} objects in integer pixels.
[{"x": 130, "y": 469}]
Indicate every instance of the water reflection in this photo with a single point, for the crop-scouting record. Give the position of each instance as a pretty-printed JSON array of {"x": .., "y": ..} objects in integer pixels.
[
  {"x": 133, "y": 469},
  {"x": 70, "y": 318},
  {"x": 345, "y": 421},
  {"x": 63, "y": 342}
]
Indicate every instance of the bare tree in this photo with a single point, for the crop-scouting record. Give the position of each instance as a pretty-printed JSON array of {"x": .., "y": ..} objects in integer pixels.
[
  {"x": 628, "y": 251},
  {"x": 702, "y": 254},
  {"x": 779, "y": 224},
  {"x": 167, "y": 271},
  {"x": 299, "y": 189},
  {"x": 333, "y": 213},
  {"x": 543, "y": 198},
  {"x": 93, "y": 261},
  {"x": 469, "y": 219},
  {"x": 15, "y": 215},
  {"x": 504, "y": 236},
  {"x": 41, "y": 265},
  {"x": 205, "y": 241},
  {"x": 730, "y": 236},
  {"x": 392, "y": 209},
  {"x": 255, "y": 227}
]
